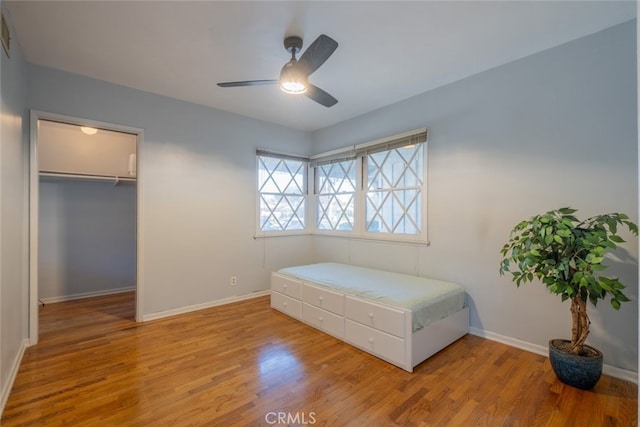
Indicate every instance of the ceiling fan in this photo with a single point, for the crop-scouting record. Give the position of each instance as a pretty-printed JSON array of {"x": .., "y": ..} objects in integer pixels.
[{"x": 294, "y": 76}]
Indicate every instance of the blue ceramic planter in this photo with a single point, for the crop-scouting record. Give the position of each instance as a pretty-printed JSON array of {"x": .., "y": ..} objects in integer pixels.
[{"x": 577, "y": 371}]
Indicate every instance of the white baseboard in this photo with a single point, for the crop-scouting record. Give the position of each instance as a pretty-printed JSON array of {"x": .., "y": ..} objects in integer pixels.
[
  {"x": 196, "y": 307},
  {"x": 15, "y": 366},
  {"x": 623, "y": 374},
  {"x": 613, "y": 371},
  {"x": 62, "y": 298}
]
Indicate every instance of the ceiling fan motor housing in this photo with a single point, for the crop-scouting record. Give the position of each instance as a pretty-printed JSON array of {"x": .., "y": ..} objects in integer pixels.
[{"x": 293, "y": 44}]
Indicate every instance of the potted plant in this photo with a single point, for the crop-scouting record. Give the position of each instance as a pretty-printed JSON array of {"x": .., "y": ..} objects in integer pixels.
[{"x": 566, "y": 255}]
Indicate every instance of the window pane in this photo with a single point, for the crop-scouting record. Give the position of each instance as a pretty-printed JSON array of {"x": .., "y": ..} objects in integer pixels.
[
  {"x": 394, "y": 184},
  {"x": 400, "y": 167},
  {"x": 336, "y": 184},
  {"x": 282, "y": 193},
  {"x": 335, "y": 212}
]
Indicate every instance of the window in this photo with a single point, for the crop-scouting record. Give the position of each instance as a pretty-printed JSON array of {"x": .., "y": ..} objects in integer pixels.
[
  {"x": 335, "y": 189},
  {"x": 282, "y": 183},
  {"x": 386, "y": 200},
  {"x": 394, "y": 190}
]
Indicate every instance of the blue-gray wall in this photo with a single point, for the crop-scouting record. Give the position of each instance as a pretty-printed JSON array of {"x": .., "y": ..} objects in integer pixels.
[
  {"x": 196, "y": 183},
  {"x": 558, "y": 128},
  {"x": 13, "y": 213},
  {"x": 87, "y": 238}
]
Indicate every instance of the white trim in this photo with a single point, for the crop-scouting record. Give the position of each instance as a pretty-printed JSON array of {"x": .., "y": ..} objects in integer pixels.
[
  {"x": 140, "y": 154},
  {"x": 334, "y": 235},
  {"x": 612, "y": 371},
  {"x": 36, "y": 115},
  {"x": 273, "y": 234},
  {"x": 34, "y": 189},
  {"x": 82, "y": 295},
  {"x": 513, "y": 342},
  {"x": 13, "y": 372},
  {"x": 620, "y": 373},
  {"x": 196, "y": 307}
]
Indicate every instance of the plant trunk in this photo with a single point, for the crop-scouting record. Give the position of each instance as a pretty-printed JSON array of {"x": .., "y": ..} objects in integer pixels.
[{"x": 580, "y": 324}]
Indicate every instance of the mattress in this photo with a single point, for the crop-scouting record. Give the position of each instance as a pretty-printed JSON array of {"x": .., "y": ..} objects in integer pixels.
[{"x": 429, "y": 300}]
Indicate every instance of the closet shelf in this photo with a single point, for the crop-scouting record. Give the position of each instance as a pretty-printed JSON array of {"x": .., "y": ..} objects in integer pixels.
[{"x": 62, "y": 176}]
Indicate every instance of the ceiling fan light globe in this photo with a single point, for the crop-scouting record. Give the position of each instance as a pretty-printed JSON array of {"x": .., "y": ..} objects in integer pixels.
[
  {"x": 292, "y": 79},
  {"x": 293, "y": 87}
]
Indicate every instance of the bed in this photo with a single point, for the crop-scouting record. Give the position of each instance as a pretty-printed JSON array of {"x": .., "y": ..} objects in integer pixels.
[{"x": 400, "y": 318}]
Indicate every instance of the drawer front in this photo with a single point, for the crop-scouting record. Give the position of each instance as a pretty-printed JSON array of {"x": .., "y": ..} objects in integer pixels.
[
  {"x": 375, "y": 342},
  {"x": 287, "y": 305},
  {"x": 286, "y": 286},
  {"x": 377, "y": 316},
  {"x": 323, "y": 320},
  {"x": 323, "y": 298}
]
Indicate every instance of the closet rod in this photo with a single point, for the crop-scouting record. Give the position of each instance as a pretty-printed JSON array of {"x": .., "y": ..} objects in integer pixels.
[{"x": 115, "y": 179}]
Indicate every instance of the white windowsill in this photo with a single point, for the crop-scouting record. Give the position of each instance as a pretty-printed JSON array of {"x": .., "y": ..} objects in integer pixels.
[{"x": 342, "y": 236}]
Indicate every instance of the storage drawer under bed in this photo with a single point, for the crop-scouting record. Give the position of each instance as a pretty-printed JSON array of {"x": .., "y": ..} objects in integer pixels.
[
  {"x": 286, "y": 286},
  {"x": 323, "y": 298},
  {"x": 323, "y": 320},
  {"x": 287, "y": 305},
  {"x": 375, "y": 342},
  {"x": 377, "y": 316}
]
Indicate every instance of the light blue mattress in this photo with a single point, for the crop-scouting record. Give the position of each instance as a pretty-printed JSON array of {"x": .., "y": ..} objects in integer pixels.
[{"x": 429, "y": 300}]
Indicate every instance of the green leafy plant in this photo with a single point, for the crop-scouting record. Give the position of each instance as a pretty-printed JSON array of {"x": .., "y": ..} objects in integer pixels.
[{"x": 566, "y": 254}]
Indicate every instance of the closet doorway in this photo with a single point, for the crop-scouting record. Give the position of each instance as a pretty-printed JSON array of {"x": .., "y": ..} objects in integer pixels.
[{"x": 84, "y": 212}]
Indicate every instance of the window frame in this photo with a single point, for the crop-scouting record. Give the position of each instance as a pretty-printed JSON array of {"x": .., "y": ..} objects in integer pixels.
[
  {"x": 359, "y": 153},
  {"x": 259, "y": 232},
  {"x": 422, "y": 223},
  {"x": 316, "y": 196}
]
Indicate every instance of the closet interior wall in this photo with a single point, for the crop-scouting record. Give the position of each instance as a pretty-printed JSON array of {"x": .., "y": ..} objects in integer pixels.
[{"x": 87, "y": 212}]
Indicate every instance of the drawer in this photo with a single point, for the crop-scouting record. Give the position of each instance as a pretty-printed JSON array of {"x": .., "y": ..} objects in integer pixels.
[
  {"x": 286, "y": 286},
  {"x": 323, "y": 320},
  {"x": 377, "y": 316},
  {"x": 375, "y": 342},
  {"x": 287, "y": 305},
  {"x": 323, "y": 298}
]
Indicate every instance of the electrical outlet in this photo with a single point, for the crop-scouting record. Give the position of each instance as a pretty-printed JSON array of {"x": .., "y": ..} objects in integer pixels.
[{"x": 234, "y": 280}]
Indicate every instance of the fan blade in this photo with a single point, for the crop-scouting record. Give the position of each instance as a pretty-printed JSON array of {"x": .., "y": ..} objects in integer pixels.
[
  {"x": 248, "y": 83},
  {"x": 320, "y": 96},
  {"x": 317, "y": 53}
]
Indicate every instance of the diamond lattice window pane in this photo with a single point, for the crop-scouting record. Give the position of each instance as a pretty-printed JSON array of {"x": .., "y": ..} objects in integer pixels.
[
  {"x": 336, "y": 184},
  {"x": 282, "y": 196},
  {"x": 407, "y": 202},
  {"x": 335, "y": 212},
  {"x": 393, "y": 199},
  {"x": 375, "y": 222},
  {"x": 266, "y": 182}
]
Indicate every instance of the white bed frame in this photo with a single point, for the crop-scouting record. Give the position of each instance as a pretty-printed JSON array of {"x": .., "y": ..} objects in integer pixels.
[{"x": 381, "y": 330}]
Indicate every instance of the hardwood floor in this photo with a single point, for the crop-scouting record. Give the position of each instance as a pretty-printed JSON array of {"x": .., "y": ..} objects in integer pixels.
[{"x": 244, "y": 364}]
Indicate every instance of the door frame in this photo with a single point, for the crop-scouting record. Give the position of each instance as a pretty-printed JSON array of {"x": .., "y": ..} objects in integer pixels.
[{"x": 34, "y": 194}]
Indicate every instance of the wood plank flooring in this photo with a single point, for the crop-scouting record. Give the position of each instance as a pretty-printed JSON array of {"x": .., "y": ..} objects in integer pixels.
[{"x": 244, "y": 364}]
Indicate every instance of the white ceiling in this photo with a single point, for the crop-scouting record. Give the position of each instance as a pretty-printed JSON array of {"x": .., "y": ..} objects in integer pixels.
[{"x": 389, "y": 50}]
